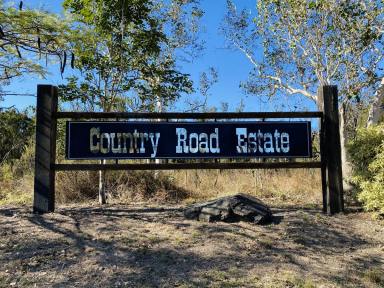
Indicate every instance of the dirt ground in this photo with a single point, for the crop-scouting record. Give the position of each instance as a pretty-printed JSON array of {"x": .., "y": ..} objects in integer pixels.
[{"x": 143, "y": 246}]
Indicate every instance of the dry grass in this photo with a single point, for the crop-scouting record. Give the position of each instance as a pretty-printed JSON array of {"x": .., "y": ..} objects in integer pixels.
[
  {"x": 296, "y": 186},
  {"x": 16, "y": 191},
  {"x": 276, "y": 187},
  {"x": 76, "y": 186},
  {"x": 375, "y": 276}
]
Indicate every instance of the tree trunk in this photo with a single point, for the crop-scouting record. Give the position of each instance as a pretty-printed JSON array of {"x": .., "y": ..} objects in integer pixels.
[
  {"x": 376, "y": 110},
  {"x": 102, "y": 194},
  {"x": 346, "y": 164},
  {"x": 159, "y": 108}
]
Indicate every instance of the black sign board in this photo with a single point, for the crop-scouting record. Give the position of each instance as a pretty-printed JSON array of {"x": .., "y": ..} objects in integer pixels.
[{"x": 173, "y": 140}]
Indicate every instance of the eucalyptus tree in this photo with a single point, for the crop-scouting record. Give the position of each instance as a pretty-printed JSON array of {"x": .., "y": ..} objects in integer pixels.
[
  {"x": 28, "y": 39},
  {"x": 376, "y": 112},
  {"x": 305, "y": 44},
  {"x": 126, "y": 53}
]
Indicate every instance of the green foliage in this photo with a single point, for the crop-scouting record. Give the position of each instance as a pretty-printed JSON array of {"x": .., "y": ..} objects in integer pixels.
[
  {"x": 60, "y": 140},
  {"x": 372, "y": 194},
  {"x": 6, "y": 172},
  {"x": 364, "y": 148},
  {"x": 310, "y": 43},
  {"x": 16, "y": 128},
  {"x": 25, "y": 165},
  {"x": 367, "y": 155},
  {"x": 26, "y": 34},
  {"x": 125, "y": 50}
]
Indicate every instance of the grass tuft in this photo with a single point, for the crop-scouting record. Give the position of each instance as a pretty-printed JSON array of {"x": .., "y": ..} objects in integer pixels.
[{"x": 374, "y": 276}]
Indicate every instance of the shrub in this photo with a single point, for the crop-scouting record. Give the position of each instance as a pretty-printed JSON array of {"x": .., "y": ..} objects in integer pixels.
[
  {"x": 25, "y": 165},
  {"x": 364, "y": 148},
  {"x": 16, "y": 177},
  {"x": 15, "y": 130},
  {"x": 372, "y": 194},
  {"x": 367, "y": 157}
]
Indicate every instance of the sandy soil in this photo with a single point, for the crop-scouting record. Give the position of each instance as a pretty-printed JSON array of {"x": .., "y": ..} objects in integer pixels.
[{"x": 141, "y": 246}]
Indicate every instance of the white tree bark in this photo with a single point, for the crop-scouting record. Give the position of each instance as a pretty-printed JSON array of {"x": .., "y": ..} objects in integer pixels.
[
  {"x": 159, "y": 108},
  {"x": 376, "y": 110},
  {"x": 346, "y": 164}
]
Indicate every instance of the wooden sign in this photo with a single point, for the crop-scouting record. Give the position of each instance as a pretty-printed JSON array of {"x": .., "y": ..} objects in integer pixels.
[
  {"x": 235, "y": 139},
  {"x": 174, "y": 140}
]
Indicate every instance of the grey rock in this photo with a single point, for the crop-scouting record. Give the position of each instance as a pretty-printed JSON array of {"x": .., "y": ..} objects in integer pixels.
[{"x": 239, "y": 207}]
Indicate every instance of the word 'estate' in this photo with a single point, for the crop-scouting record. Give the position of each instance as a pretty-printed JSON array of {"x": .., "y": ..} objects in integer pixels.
[{"x": 139, "y": 142}]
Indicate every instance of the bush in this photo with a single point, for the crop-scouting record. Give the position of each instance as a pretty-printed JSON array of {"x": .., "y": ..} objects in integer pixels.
[
  {"x": 16, "y": 177},
  {"x": 16, "y": 128},
  {"x": 372, "y": 194},
  {"x": 364, "y": 148},
  {"x": 367, "y": 157}
]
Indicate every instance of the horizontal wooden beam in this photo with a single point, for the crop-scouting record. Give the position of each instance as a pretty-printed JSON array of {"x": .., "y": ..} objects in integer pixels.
[
  {"x": 171, "y": 115},
  {"x": 175, "y": 166}
]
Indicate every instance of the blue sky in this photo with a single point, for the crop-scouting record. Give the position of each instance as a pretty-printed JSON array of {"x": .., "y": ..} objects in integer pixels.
[{"x": 231, "y": 65}]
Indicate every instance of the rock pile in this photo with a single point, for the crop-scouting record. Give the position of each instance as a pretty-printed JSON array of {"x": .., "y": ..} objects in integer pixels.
[{"x": 239, "y": 207}]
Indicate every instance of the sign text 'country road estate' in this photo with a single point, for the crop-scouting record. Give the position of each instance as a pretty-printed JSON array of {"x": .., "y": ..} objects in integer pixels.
[{"x": 134, "y": 140}]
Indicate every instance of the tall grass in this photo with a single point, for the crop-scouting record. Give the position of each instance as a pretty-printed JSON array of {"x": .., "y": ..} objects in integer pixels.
[
  {"x": 283, "y": 187},
  {"x": 275, "y": 187}
]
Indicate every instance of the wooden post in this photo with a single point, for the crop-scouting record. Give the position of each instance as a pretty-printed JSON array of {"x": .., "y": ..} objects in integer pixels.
[
  {"x": 331, "y": 150},
  {"x": 45, "y": 153}
]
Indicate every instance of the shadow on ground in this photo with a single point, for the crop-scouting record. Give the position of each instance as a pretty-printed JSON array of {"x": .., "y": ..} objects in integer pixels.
[{"x": 127, "y": 246}]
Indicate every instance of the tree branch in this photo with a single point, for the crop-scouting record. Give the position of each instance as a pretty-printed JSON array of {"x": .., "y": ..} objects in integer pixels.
[{"x": 286, "y": 87}]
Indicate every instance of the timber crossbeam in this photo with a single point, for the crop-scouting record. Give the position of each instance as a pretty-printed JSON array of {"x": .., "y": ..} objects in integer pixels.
[
  {"x": 189, "y": 166},
  {"x": 176, "y": 115}
]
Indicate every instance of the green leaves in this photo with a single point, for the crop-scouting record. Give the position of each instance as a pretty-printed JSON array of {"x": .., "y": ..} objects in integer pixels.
[
  {"x": 336, "y": 42},
  {"x": 125, "y": 51},
  {"x": 26, "y": 34},
  {"x": 312, "y": 5},
  {"x": 367, "y": 155},
  {"x": 15, "y": 130}
]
